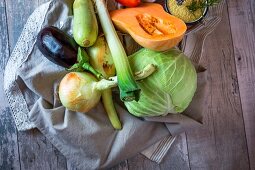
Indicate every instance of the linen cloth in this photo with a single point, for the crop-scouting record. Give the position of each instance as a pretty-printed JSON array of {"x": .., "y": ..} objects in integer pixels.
[{"x": 88, "y": 139}]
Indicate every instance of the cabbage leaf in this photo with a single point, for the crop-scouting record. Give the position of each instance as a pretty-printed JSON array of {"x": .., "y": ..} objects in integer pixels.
[{"x": 168, "y": 90}]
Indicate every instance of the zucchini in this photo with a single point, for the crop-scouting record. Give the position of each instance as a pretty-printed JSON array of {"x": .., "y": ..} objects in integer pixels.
[{"x": 85, "y": 27}]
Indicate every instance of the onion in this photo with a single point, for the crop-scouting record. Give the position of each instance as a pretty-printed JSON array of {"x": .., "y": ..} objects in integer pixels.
[
  {"x": 77, "y": 91},
  {"x": 81, "y": 91}
]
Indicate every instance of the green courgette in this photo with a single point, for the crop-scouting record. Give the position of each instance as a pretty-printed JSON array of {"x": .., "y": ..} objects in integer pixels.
[{"x": 85, "y": 27}]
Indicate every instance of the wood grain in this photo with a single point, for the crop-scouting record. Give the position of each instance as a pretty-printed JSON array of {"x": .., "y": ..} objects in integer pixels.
[
  {"x": 4, "y": 42},
  {"x": 221, "y": 143},
  {"x": 17, "y": 15},
  {"x": 229, "y": 54},
  {"x": 35, "y": 151},
  {"x": 9, "y": 155},
  {"x": 121, "y": 166},
  {"x": 242, "y": 22},
  {"x": 177, "y": 156},
  {"x": 140, "y": 162}
]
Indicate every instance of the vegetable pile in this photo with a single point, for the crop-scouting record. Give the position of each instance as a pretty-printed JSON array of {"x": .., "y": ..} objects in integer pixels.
[{"x": 156, "y": 80}]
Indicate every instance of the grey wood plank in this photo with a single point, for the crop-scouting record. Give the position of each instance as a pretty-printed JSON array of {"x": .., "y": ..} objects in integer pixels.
[
  {"x": 35, "y": 151},
  {"x": 220, "y": 143},
  {"x": 9, "y": 156},
  {"x": 121, "y": 166},
  {"x": 17, "y": 15},
  {"x": 70, "y": 166},
  {"x": 242, "y": 22},
  {"x": 4, "y": 50},
  {"x": 177, "y": 157},
  {"x": 140, "y": 162}
]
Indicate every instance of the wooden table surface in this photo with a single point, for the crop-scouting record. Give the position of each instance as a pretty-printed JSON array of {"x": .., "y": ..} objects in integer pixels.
[{"x": 225, "y": 141}]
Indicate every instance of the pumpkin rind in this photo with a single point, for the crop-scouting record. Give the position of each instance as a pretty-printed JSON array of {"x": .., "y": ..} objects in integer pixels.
[{"x": 150, "y": 15}]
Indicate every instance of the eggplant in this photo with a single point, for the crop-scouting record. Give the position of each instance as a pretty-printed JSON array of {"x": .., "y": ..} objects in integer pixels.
[
  {"x": 61, "y": 49},
  {"x": 57, "y": 46}
]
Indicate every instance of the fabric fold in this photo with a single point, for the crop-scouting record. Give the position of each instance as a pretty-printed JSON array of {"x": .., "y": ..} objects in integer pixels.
[{"x": 88, "y": 139}]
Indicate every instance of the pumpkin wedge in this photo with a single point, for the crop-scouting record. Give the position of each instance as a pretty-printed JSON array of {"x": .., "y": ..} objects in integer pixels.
[{"x": 150, "y": 26}]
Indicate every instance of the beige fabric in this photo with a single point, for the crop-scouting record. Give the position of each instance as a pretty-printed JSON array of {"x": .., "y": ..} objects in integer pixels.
[{"x": 87, "y": 139}]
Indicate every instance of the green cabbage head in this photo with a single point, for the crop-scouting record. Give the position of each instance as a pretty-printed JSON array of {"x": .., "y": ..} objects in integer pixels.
[{"x": 168, "y": 90}]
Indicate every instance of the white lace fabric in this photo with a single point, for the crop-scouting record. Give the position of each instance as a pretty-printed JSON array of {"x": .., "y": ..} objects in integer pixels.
[{"x": 22, "y": 49}]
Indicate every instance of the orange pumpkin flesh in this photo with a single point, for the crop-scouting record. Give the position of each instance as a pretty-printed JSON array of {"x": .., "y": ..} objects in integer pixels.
[{"x": 150, "y": 26}]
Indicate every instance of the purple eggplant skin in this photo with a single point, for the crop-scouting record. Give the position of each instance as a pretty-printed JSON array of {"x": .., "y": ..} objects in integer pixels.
[{"x": 57, "y": 46}]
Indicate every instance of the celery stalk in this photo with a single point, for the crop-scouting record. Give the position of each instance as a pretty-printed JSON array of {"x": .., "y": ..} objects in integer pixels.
[
  {"x": 110, "y": 109},
  {"x": 128, "y": 88}
]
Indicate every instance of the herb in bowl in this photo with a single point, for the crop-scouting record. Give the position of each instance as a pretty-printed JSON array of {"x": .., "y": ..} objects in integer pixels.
[
  {"x": 195, "y": 5},
  {"x": 190, "y": 11}
]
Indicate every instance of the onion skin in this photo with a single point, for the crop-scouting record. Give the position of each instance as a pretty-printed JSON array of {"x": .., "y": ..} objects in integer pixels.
[{"x": 77, "y": 91}]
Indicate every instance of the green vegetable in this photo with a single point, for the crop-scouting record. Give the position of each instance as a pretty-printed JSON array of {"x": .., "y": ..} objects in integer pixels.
[
  {"x": 84, "y": 64},
  {"x": 85, "y": 28},
  {"x": 129, "y": 90},
  {"x": 170, "y": 89},
  {"x": 101, "y": 60},
  {"x": 110, "y": 109}
]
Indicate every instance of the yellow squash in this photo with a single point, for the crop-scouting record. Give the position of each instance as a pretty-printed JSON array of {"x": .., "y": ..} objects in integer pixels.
[{"x": 150, "y": 26}]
